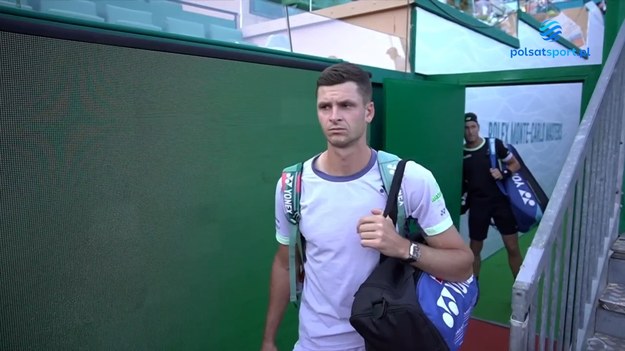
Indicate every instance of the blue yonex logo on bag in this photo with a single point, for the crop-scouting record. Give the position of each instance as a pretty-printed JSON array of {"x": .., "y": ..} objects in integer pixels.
[
  {"x": 448, "y": 305},
  {"x": 550, "y": 30}
]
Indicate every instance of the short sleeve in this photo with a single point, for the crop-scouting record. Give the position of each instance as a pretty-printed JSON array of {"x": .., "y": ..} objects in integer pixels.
[
  {"x": 282, "y": 224},
  {"x": 425, "y": 200},
  {"x": 502, "y": 150}
]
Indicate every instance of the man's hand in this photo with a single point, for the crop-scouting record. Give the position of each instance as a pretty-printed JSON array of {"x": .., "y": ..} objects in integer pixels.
[
  {"x": 496, "y": 173},
  {"x": 268, "y": 346},
  {"x": 378, "y": 232}
]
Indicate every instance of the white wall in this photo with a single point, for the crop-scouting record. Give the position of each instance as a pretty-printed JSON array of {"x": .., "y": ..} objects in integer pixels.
[
  {"x": 443, "y": 47},
  {"x": 503, "y": 111},
  {"x": 320, "y": 36}
]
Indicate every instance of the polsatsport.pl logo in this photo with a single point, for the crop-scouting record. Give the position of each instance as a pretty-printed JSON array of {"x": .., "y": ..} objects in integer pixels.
[{"x": 550, "y": 30}]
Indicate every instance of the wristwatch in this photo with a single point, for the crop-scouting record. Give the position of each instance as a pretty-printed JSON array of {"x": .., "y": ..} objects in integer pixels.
[{"x": 414, "y": 253}]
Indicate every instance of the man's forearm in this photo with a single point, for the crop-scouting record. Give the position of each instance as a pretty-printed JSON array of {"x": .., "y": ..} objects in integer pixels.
[
  {"x": 278, "y": 299},
  {"x": 514, "y": 167},
  {"x": 448, "y": 264}
]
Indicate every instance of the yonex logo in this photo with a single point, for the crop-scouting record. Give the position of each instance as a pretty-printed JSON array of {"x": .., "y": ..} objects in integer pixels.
[
  {"x": 550, "y": 30},
  {"x": 527, "y": 198},
  {"x": 287, "y": 195},
  {"x": 288, "y": 180},
  {"x": 447, "y": 302},
  {"x": 525, "y": 195}
]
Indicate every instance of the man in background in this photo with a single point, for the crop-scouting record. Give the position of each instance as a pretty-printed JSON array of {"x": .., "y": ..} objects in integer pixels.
[{"x": 484, "y": 199}]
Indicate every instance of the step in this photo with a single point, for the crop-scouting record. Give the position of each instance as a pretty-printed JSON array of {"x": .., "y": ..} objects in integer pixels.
[
  {"x": 610, "y": 317},
  {"x": 616, "y": 266},
  {"x": 616, "y": 270},
  {"x": 605, "y": 342},
  {"x": 619, "y": 247}
]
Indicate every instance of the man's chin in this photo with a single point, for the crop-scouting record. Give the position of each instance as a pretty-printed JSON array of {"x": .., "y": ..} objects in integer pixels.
[{"x": 340, "y": 143}]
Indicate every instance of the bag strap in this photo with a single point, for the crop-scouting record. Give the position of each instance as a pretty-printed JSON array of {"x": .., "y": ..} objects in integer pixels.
[
  {"x": 388, "y": 165},
  {"x": 393, "y": 200},
  {"x": 492, "y": 152},
  {"x": 291, "y": 193}
]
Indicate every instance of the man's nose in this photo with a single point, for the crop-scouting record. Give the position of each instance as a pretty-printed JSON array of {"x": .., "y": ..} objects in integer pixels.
[{"x": 335, "y": 115}]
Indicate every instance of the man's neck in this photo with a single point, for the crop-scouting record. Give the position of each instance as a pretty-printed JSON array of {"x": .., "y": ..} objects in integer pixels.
[
  {"x": 344, "y": 162},
  {"x": 477, "y": 143}
]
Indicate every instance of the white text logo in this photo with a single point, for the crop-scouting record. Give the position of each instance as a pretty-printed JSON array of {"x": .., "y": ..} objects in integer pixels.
[{"x": 525, "y": 195}]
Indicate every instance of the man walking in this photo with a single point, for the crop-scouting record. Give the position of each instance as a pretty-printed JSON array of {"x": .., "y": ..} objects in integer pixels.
[
  {"x": 485, "y": 200},
  {"x": 342, "y": 222}
]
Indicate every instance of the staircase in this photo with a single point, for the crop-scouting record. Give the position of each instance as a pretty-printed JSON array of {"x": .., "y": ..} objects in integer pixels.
[
  {"x": 610, "y": 317},
  {"x": 570, "y": 291}
]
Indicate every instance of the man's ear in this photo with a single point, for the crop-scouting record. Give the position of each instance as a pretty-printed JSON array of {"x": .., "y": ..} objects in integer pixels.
[{"x": 369, "y": 111}]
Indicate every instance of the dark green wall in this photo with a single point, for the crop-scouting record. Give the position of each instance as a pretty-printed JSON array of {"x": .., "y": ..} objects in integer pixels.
[
  {"x": 423, "y": 122},
  {"x": 137, "y": 195}
]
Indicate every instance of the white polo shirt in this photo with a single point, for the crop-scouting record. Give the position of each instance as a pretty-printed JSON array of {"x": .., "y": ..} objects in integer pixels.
[{"x": 336, "y": 264}]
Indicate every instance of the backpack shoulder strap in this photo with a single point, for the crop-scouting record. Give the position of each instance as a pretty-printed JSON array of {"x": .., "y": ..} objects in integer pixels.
[
  {"x": 291, "y": 188},
  {"x": 291, "y": 191},
  {"x": 492, "y": 152},
  {"x": 387, "y": 163}
]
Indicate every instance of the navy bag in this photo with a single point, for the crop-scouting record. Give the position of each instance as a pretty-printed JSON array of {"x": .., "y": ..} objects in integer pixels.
[
  {"x": 401, "y": 308},
  {"x": 527, "y": 199}
]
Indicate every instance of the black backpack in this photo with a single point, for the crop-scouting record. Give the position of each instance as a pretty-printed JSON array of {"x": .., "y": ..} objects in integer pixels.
[{"x": 386, "y": 311}]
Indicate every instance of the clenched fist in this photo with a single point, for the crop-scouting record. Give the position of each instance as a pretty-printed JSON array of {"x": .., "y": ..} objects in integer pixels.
[
  {"x": 378, "y": 232},
  {"x": 496, "y": 174}
]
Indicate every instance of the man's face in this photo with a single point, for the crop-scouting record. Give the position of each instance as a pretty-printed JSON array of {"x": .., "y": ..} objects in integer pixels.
[
  {"x": 471, "y": 132},
  {"x": 342, "y": 113}
]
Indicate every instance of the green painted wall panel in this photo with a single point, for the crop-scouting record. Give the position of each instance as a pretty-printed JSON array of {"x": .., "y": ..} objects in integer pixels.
[
  {"x": 424, "y": 122},
  {"x": 138, "y": 195}
]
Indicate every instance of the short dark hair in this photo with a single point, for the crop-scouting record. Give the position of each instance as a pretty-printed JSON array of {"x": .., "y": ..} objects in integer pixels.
[{"x": 347, "y": 72}]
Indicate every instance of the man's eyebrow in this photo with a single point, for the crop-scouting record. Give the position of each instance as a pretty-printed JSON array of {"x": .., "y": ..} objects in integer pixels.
[{"x": 340, "y": 102}]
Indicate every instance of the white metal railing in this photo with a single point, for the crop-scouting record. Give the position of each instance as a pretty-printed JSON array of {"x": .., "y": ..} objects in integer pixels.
[{"x": 555, "y": 293}]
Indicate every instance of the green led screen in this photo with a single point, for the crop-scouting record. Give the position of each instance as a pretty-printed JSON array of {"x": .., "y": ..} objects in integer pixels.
[{"x": 136, "y": 192}]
